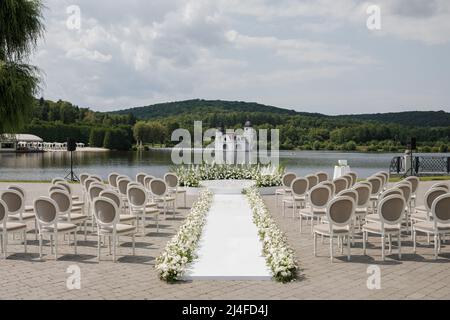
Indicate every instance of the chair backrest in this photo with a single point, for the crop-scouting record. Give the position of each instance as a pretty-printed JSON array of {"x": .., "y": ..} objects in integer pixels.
[
  {"x": 171, "y": 179},
  {"x": 340, "y": 184},
  {"x": 340, "y": 211},
  {"x": 444, "y": 185},
  {"x": 106, "y": 212},
  {"x": 376, "y": 184},
  {"x": 147, "y": 181},
  {"x": 414, "y": 183},
  {"x": 112, "y": 179},
  {"x": 349, "y": 193},
  {"x": 383, "y": 179},
  {"x": 56, "y": 187},
  {"x": 94, "y": 191},
  {"x": 319, "y": 196},
  {"x": 288, "y": 178},
  {"x": 354, "y": 177},
  {"x": 349, "y": 180},
  {"x": 322, "y": 176},
  {"x": 88, "y": 182},
  {"x": 55, "y": 180},
  {"x": 65, "y": 185},
  {"x": 406, "y": 188},
  {"x": 18, "y": 189},
  {"x": 137, "y": 196},
  {"x": 432, "y": 195},
  {"x": 83, "y": 178},
  {"x": 140, "y": 177},
  {"x": 366, "y": 183},
  {"x": 390, "y": 192},
  {"x": 158, "y": 187},
  {"x": 313, "y": 180},
  {"x": 391, "y": 209},
  {"x": 63, "y": 201},
  {"x": 122, "y": 185},
  {"x": 14, "y": 201},
  {"x": 96, "y": 177},
  {"x": 46, "y": 211},
  {"x": 300, "y": 186},
  {"x": 363, "y": 191},
  {"x": 3, "y": 212},
  {"x": 329, "y": 184},
  {"x": 440, "y": 209},
  {"x": 113, "y": 195}
]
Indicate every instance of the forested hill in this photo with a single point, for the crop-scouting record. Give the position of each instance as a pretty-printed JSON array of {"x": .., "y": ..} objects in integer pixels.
[
  {"x": 205, "y": 107},
  {"x": 199, "y": 106},
  {"x": 408, "y": 118}
]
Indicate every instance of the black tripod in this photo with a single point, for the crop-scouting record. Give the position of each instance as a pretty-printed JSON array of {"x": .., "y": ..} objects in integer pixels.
[{"x": 71, "y": 176}]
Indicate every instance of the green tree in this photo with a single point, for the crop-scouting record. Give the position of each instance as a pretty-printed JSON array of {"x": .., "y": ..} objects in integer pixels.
[
  {"x": 20, "y": 28},
  {"x": 116, "y": 139},
  {"x": 97, "y": 137}
]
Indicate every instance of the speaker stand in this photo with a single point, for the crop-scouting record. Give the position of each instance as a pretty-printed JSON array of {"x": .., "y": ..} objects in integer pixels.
[{"x": 71, "y": 176}]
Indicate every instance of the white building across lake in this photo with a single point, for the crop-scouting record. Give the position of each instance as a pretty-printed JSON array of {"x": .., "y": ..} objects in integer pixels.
[
  {"x": 20, "y": 142},
  {"x": 231, "y": 146}
]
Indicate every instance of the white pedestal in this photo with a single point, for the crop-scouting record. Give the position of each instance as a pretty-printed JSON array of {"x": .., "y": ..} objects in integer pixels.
[{"x": 340, "y": 171}]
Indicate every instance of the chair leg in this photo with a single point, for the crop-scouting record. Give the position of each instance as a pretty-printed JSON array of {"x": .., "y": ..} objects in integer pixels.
[
  {"x": 435, "y": 247},
  {"x": 85, "y": 230},
  {"x": 51, "y": 244},
  {"x": 114, "y": 248},
  {"x": 383, "y": 242},
  {"x": 5, "y": 245},
  {"x": 134, "y": 244},
  {"x": 400, "y": 245},
  {"x": 98, "y": 247},
  {"x": 315, "y": 244},
  {"x": 414, "y": 241},
  {"x": 364, "y": 242},
  {"x": 390, "y": 243},
  {"x": 56, "y": 246},
  {"x": 301, "y": 223},
  {"x": 348, "y": 248},
  {"x": 75, "y": 241},
  {"x": 331, "y": 248},
  {"x": 40, "y": 246},
  {"x": 25, "y": 240},
  {"x": 35, "y": 229}
]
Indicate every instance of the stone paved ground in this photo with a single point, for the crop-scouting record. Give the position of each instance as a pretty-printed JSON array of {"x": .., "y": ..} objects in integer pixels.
[{"x": 22, "y": 276}]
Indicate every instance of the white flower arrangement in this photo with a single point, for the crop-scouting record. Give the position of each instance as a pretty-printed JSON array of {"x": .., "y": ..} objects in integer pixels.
[
  {"x": 279, "y": 255},
  {"x": 265, "y": 176},
  {"x": 180, "y": 250}
]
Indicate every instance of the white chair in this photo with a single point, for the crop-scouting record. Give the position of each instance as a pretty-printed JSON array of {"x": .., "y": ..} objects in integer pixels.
[
  {"x": 47, "y": 216},
  {"x": 340, "y": 184},
  {"x": 58, "y": 179},
  {"x": 107, "y": 215},
  {"x": 140, "y": 177},
  {"x": 112, "y": 180},
  {"x": 322, "y": 176},
  {"x": 354, "y": 177},
  {"x": 362, "y": 205},
  {"x": 160, "y": 193},
  {"x": 415, "y": 181},
  {"x": 349, "y": 180},
  {"x": 391, "y": 210},
  {"x": 313, "y": 180},
  {"x": 423, "y": 213},
  {"x": 340, "y": 214},
  {"x": 375, "y": 217},
  {"x": 444, "y": 185},
  {"x": 172, "y": 182},
  {"x": 318, "y": 198},
  {"x": 286, "y": 181},
  {"x": 125, "y": 217},
  {"x": 138, "y": 200},
  {"x": 10, "y": 227},
  {"x": 376, "y": 184},
  {"x": 438, "y": 226},
  {"x": 66, "y": 212},
  {"x": 299, "y": 189}
]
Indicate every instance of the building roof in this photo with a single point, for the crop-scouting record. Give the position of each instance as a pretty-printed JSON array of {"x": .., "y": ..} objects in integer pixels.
[{"x": 20, "y": 137}]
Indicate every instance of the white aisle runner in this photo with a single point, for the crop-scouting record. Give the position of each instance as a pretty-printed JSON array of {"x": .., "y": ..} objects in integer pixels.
[{"x": 229, "y": 248}]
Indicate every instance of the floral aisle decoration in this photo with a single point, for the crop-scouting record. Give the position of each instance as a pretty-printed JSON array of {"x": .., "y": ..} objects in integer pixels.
[
  {"x": 265, "y": 176},
  {"x": 180, "y": 250},
  {"x": 279, "y": 255}
]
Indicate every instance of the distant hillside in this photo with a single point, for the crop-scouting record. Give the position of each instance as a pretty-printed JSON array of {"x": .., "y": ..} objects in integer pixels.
[
  {"x": 199, "y": 106},
  {"x": 409, "y": 118},
  {"x": 204, "y": 107}
]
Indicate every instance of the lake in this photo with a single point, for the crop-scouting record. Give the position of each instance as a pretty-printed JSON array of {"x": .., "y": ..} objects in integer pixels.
[{"x": 45, "y": 166}]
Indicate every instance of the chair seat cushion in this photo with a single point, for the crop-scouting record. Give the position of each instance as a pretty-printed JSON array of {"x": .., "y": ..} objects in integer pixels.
[
  {"x": 419, "y": 216},
  {"x": 61, "y": 227},
  {"x": 376, "y": 227},
  {"x": 127, "y": 217},
  {"x": 374, "y": 217},
  {"x": 74, "y": 217},
  {"x": 428, "y": 226},
  {"x": 325, "y": 229},
  {"x": 120, "y": 229},
  {"x": 13, "y": 226},
  {"x": 25, "y": 216},
  {"x": 316, "y": 211}
]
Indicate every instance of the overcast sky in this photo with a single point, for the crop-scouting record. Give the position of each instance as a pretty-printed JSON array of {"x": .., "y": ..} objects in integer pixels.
[{"x": 310, "y": 55}]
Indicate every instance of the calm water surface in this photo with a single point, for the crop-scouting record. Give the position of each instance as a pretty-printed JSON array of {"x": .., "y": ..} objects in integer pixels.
[{"x": 156, "y": 162}]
